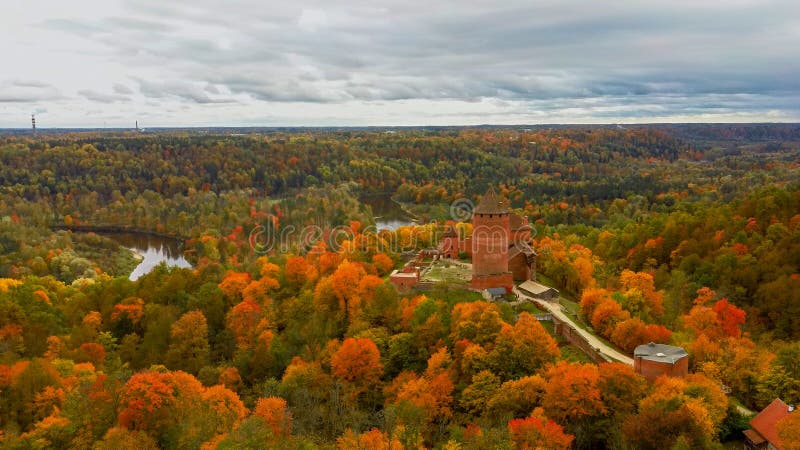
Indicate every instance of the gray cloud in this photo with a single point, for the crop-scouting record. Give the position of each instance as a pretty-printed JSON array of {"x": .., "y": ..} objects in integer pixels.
[
  {"x": 179, "y": 89},
  {"x": 22, "y": 91},
  {"x": 122, "y": 89},
  {"x": 30, "y": 84},
  {"x": 102, "y": 97},
  {"x": 609, "y": 58}
]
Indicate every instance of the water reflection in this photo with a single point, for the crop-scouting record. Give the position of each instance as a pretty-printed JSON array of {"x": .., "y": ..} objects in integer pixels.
[
  {"x": 388, "y": 213},
  {"x": 153, "y": 249}
]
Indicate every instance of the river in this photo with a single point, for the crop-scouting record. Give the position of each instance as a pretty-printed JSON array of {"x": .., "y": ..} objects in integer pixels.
[
  {"x": 388, "y": 213},
  {"x": 153, "y": 249}
]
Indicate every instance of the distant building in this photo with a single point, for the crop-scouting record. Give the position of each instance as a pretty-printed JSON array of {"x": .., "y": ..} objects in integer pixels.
[
  {"x": 654, "y": 360},
  {"x": 494, "y": 294},
  {"x": 539, "y": 291},
  {"x": 762, "y": 433}
]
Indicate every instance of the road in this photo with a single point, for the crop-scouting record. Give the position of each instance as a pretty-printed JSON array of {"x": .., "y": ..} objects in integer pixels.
[
  {"x": 556, "y": 310},
  {"x": 605, "y": 349}
]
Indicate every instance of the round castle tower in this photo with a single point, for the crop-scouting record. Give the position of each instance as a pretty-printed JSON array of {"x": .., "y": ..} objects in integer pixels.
[{"x": 491, "y": 234}]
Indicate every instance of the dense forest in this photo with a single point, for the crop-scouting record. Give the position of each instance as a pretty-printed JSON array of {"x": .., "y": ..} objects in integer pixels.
[{"x": 680, "y": 234}]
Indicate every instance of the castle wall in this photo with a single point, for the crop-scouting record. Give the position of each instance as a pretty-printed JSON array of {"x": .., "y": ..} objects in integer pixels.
[
  {"x": 574, "y": 338},
  {"x": 518, "y": 265},
  {"x": 481, "y": 282},
  {"x": 466, "y": 246},
  {"x": 404, "y": 280}
]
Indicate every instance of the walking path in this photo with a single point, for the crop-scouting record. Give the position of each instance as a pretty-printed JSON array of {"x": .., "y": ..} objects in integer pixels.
[{"x": 556, "y": 310}]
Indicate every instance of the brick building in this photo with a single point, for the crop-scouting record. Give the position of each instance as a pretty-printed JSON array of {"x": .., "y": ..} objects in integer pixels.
[
  {"x": 500, "y": 245},
  {"x": 405, "y": 279},
  {"x": 450, "y": 245},
  {"x": 521, "y": 257},
  {"x": 654, "y": 360}
]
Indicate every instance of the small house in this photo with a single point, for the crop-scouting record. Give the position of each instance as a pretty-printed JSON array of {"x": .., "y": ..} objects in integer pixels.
[
  {"x": 405, "y": 279},
  {"x": 763, "y": 433},
  {"x": 539, "y": 291},
  {"x": 494, "y": 294}
]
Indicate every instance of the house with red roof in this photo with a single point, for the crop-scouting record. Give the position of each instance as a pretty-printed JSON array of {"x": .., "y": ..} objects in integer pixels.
[{"x": 763, "y": 433}]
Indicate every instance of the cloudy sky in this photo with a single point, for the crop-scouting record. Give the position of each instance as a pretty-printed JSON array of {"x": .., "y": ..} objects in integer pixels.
[{"x": 94, "y": 63}]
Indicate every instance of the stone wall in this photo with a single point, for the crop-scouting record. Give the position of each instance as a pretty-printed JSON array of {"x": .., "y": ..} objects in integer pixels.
[
  {"x": 481, "y": 282},
  {"x": 574, "y": 338},
  {"x": 518, "y": 265}
]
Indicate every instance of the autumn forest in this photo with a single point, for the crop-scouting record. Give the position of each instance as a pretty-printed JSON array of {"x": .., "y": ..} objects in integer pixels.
[{"x": 286, "y": 332}]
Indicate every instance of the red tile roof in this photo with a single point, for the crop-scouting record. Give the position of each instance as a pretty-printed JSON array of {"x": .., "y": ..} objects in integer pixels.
[
  {"x": 490, "y": 204},
  {"x": 754, "y": 437},
  {"x": 765, "y": 421}
]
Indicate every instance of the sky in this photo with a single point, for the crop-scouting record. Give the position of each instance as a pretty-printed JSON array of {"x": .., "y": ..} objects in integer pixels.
[{"x": 96, "y": 63}]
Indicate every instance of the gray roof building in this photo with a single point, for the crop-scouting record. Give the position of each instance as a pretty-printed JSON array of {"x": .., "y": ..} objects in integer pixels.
[{"x": 659, "y": 353}]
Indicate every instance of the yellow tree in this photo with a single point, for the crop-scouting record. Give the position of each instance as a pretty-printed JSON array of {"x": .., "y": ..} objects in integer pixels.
[
  {"x": 643, "y": 282},
  {"x": 233, "y": 284},
  {"x": 431, "y": 393},
  {"x": 345, "y": 283},
  {"x": 373, "y": 439},
  {"x": 789, "y": 431},
  {"x": 188, "y": 348},
  {"x": 479, "y": 322},
  {"x": 523, "y": 349}
]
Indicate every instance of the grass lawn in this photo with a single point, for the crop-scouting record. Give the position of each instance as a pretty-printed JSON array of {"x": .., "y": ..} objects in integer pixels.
[
  {"x": 454, "y": 294},
  {"x": 574, "y": 354},
  {"x": 530, "y": 308},
  {"x": 448, "y": 273}
]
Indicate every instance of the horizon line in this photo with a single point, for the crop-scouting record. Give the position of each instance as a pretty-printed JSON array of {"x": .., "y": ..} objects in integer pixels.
[{"x": 484, "y": 125}]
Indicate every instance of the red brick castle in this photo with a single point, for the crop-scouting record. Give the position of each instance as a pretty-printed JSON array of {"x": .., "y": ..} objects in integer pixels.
[{"x": 500, "y": 245}]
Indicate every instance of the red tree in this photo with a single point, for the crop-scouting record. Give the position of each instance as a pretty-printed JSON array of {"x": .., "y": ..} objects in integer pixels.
[
  {"x": 358, "y": 362},
  {"x": 538, "y": 433}
]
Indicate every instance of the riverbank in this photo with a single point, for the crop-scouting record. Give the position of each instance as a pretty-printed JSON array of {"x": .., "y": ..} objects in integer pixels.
[
  {"x": 387, "y": 212},
  {"x": 142, "y": 251},
  {"x": 106, "y": 253},
  {"x": 424, "y": 213},
  {"x": 116, "y": 229}
]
